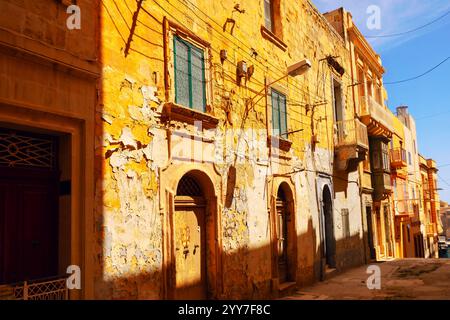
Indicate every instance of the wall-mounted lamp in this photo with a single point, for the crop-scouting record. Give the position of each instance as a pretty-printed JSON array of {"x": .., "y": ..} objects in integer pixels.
[{"x": 299, "y": 68}]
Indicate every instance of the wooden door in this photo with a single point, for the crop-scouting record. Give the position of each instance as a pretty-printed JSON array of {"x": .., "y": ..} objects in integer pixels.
[
  {"x": 29, "y": 182},
  {"x": 190, "y": 248},
  {"x": 28, "y": 225},
  {"x": 282, "y": 241}
]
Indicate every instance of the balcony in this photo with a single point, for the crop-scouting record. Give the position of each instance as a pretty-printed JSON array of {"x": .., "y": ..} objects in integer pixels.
[
  {"x": 351, "y": 143},
  {"x": 398, "y": 158},
  {"x": 381, "y": 183},
  {"x": 377, "y": 118},
  {"x": 351, "y": 133}
]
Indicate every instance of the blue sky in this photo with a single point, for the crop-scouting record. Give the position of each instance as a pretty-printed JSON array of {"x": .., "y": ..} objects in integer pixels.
[{"x": 406, "y": 56}]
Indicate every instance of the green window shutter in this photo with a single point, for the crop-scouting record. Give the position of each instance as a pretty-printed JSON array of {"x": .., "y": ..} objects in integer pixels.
[
  {"x": 279, "y": 114},
  {"x": 181, "y": 52},
  {"x": 189, "y": 65},
  {"x": 198, "y": 80},
  {"x": 283, "y": 116},
  {"x": 275, "y": 114}
]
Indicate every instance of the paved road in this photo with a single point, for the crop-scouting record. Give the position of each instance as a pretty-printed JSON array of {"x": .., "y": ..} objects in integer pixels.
[{"x": 405, "y": 279}]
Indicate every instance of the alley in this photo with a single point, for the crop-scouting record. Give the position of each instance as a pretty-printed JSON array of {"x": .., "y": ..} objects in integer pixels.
[{"x": 400, "y": 280}]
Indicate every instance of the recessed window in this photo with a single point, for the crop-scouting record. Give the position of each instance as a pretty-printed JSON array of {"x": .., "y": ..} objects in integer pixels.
[
  {"x": 268, "y": 15},
  {"x": 272, "y": 17},
  {"x": 279, "y": 116},
  {"x": 385, "y": 153},
  {"x": 189, "y": 64}
]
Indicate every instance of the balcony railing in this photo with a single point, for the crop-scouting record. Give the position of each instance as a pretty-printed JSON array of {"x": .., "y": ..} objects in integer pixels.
[
  {"x": 398, "y": 158},
  {"x": 351, "y": 133},
  {"x": 370, "y": 107},
  {"x": 47, "y": 289}
]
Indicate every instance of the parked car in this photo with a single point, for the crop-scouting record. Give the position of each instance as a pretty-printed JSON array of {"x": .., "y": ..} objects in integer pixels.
[{"x": 443, "y": 248}]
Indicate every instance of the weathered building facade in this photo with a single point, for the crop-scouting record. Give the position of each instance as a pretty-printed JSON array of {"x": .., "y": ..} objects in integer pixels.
[
  {"x": 431, "y": 207},
  {"x": 48, "y": 94},
  {"x": 369, "y": 98},
  {"x": 212, "y": 160},
  {"x": 194, "y": 149}
]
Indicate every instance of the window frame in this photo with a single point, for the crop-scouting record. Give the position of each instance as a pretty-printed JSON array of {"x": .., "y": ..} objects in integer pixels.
[
  {"x": 279, "y": 94},
  {"x": 191, "y": 46},
  {"x": 272, "y": 24}
]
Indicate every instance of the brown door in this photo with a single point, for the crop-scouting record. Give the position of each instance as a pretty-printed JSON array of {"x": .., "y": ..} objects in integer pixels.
[
  {"x": 29, "y": 183},
  {"x": 28, "y": 225},
  {"x": 282, "y": 238},
  {"x": 190, "y": 245}
]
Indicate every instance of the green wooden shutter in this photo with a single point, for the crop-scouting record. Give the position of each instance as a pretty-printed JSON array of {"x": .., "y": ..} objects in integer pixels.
[
  {"x": 279, "y": 114},
  {"x": 197, "y": 80},
  {"x": 283, "y": 116},
  {"x": 275, "y": 114},
  {"x": 182, "y": 92}
]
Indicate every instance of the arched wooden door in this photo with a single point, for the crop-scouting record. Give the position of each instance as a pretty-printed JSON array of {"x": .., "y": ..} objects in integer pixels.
[{"x": 190, "y": 241}]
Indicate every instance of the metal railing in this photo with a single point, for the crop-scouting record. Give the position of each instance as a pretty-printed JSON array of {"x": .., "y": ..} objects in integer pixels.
[
  {"x": 46, "y": 289},
  {"x": 398, "y": 156},
  {"x": 351, "y": 132},
  {"x": 370, "y": 107}
]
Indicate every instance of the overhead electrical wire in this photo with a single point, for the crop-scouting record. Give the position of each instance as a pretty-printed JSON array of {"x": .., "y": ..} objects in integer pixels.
[
  {"x": 421, "y": 75},
  {"x": 409, "y": 31}
]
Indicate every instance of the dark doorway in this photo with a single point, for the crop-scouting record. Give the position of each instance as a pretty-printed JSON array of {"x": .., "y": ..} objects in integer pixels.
[
  {"x": 282, "y": 236},
  {"x": 29, "y": 195},
  {"x": 330, "y": 241},
  {"x": 373, "y": 254}
]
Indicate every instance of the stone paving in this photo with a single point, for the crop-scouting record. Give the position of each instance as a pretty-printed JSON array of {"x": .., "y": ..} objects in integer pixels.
[{"x": 405, "y": 279}]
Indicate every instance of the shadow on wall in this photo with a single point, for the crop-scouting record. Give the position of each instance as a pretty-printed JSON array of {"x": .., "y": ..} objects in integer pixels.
[{"x": 246, "y": 273}]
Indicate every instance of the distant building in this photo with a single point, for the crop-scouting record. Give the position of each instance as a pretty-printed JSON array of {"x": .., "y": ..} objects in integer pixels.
[{"x": 445, "y": 219}]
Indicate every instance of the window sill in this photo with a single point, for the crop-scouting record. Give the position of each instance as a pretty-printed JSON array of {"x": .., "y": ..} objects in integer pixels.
[
  {"x": 173, "y": 111},
  {"x": 280, "y": 143},
  {"x": 269, "y": 35}
]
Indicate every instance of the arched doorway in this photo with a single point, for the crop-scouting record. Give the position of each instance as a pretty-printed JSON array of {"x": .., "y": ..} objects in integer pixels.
[
  {"x": 330, "y": 241},
  {"x": 285, "y": 235},
  {"x": 190, "y": 240}
]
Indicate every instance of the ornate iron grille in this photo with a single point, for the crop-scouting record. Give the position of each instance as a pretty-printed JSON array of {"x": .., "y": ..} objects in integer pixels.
[
  {"x": 22, "y": 150},
  {"x": 189, "y": 187}
]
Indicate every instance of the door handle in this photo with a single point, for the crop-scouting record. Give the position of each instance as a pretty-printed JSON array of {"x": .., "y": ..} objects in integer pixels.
[{"x": 195, "y": 248}]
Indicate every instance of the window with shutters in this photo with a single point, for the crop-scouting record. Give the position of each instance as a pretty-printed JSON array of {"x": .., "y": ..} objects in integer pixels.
[
  {"x": 386, "y": 159},
  {"x": 189, "y": 65},
  {"x": 279, "y": 115}
]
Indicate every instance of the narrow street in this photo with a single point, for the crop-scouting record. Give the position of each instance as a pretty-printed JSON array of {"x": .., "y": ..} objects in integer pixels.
[{"x": 406, "y": 279}]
